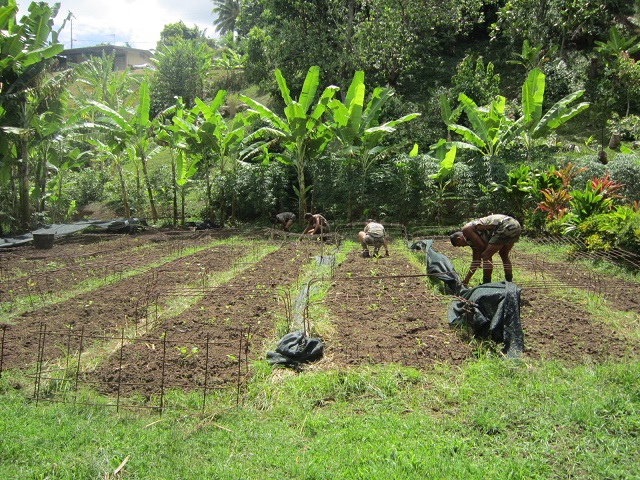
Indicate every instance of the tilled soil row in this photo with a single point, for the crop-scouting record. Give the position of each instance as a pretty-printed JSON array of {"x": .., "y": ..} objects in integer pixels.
[
  {"x": 384, "y": 312},
  {"x": 28, "y": 271},
  {"x": 553, "y": 326},
  {"x": 108, "y": 309},
  {"x": 211, "y": 343}
]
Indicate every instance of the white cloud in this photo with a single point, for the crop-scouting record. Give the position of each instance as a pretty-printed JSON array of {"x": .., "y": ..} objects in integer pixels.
[{"x": 134, "y": 22}]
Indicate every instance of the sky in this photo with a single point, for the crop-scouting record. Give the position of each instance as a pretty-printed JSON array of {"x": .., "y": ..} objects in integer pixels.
[{"x": 138, "y": 22}]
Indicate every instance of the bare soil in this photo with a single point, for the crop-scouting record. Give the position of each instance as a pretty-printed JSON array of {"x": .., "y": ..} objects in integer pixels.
[{"x": 382, "y": 310}]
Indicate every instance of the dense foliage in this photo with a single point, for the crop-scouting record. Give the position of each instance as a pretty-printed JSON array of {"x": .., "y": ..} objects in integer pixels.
[{"x": 419, "y": 112}]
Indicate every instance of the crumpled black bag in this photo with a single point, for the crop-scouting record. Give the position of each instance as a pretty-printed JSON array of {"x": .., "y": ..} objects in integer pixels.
[
  {"x": 295, "y": 348},
  {"x": 491, "y": 310}
]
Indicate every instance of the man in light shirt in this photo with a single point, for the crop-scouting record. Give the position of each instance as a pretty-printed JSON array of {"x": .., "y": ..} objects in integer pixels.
[{"x": 373, "y": 235}]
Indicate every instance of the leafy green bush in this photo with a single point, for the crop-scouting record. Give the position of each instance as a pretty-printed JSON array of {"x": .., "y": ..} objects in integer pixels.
[
  {"x": 85, "y": 185},
  {"x": 628, "y": 127},
  {"x": 587, "y": 167},
  {"x": 563, "y": 79},
  {"x": 588, "y": 202},
  {"x": 625, "y": 169},
  {"x": 475, "y": 80},
  {"x": 617, "y": 228}
]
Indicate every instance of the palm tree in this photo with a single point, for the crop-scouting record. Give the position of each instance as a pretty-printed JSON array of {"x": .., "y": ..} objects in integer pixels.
[
  {"x": 27, "y": 49},
  {"x": 227, "y": 12}
]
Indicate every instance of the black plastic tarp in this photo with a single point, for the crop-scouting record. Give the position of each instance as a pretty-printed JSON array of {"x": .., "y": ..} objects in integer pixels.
[
  {"x": 491, "y": 310},
  {"x": 124, "y": 225},
  {"x": 439, "y": 266}
]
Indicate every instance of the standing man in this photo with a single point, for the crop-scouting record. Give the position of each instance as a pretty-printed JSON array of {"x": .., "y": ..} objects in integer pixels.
[
  {"x": 373, "y": 234},
  {"x": 316, "y": 224},
  {"x": 285, "y": 219},
  {"x": 486, "y": 236}
]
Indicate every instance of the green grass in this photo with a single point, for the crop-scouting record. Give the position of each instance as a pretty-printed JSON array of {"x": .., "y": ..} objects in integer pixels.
[{"x": 488, "y": 419}]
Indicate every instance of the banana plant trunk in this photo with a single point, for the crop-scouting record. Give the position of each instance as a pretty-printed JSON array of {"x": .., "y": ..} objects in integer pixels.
[
  {"x": 152, "y": 204},
  {"x": 174, "y": 185},
  {"x": 123, "y": 188},
  {"x": 302, "y": 188},
  {"x": 302, "y": 197},
  {"x": 23, "y": 186}
]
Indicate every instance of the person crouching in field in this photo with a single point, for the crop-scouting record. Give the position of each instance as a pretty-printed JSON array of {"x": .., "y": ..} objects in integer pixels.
[
  {"x": 486, "y": 236},
  {"x": 316, "y": 224},
  {"x": 284, "y": 219},
  {"x": 374, "y": 235}
]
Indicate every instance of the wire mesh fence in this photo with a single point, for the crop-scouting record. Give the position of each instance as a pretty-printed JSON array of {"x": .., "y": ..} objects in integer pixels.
[
  {"x": 66, "y": 366},
  {"x": 66, "y": 361}
]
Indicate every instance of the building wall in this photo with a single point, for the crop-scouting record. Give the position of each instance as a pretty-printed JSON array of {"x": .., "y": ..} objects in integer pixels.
[{"x": 125, "y": 57}]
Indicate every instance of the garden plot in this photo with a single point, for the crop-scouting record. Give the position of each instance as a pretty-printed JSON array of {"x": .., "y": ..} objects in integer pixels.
[
  {"x": 28, "y": 271},
  {"x": 199, "y": 321},
  {"x": 555, "y": 324},
  {"x": 213, "y": 341},
  {"x": 384, "y": 312},
  {"x": 104, "y": 311}
]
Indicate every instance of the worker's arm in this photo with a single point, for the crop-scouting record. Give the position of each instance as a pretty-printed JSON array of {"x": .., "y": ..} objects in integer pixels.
[
  {"x": 475, "y": 264},
  {"x": 306, "y": 229}
]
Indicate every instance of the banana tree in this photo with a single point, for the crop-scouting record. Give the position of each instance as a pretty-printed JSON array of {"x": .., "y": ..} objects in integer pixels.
[
  {"x": 357, "y": 125},
  {"x": 209, "y": 135},
  {"x": 170, "y": 135},
  {"x": 490, "y": 129},
  {"x": 132, "y": 130},
  {"x": 301, "y": 133},
  {"x": 27, "y": 48},
  {"x": 533, "y": 125}
]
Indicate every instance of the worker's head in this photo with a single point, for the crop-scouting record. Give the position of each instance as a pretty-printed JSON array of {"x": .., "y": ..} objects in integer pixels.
[
  {"x": 273, "y": 218},
  {"x": 458, "y": 240},
  {"x": 307, "y": 216}
]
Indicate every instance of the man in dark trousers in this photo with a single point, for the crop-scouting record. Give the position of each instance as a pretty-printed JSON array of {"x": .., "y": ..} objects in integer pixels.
[
  {"x": 486, "y": 236},
  {"x": 284, "y": 219}
]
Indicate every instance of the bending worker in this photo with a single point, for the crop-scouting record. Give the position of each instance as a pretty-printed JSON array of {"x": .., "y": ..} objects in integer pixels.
[
  {"x": 285, "y": 219},
  {"x": 486, "y": 236},
  {"x": 316, "y": 224},
  {"x": 373, "y": 235}
]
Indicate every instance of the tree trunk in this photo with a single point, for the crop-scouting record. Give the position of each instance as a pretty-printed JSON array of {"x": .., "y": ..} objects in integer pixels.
[
  {"x": 23, "y": 186},
  {"x": 152, "y": 204},
  {"x": 302, "y": 194},
  {"x": 182, "y": 195},
  {"x": 175, "y": 189},
  {"x": 42, "y": 181},
  {"x": 123, "y": 189}
]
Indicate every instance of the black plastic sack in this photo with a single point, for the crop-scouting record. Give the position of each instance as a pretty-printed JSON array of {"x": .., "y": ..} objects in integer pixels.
[
  {"x": 491, "y": 310},
  {"x": 295, "y": 348},
  {"x": 439, "y": 266}
]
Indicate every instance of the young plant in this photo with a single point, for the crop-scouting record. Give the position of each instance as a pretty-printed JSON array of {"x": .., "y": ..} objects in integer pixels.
[{"x": 186, "y": 353}]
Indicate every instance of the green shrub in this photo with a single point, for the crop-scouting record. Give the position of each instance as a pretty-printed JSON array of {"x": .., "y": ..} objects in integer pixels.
[
  {"x": 563, "y": 79},
  {"x": 619, "y": 227},
  {"x": 590, "y": 168},
  {"x": 628, "y": 127},
  {"x": 625, "y": 169},
  {"x": 481, "y": 84},
  {"x": 85, "y": 185}
]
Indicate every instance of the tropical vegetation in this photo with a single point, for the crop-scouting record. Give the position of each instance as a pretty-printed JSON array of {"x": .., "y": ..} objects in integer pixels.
[{"x": 411, "y": 112}]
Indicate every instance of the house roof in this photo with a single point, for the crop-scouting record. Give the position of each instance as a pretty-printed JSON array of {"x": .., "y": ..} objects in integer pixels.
[{"x": 98, "y": 49}]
